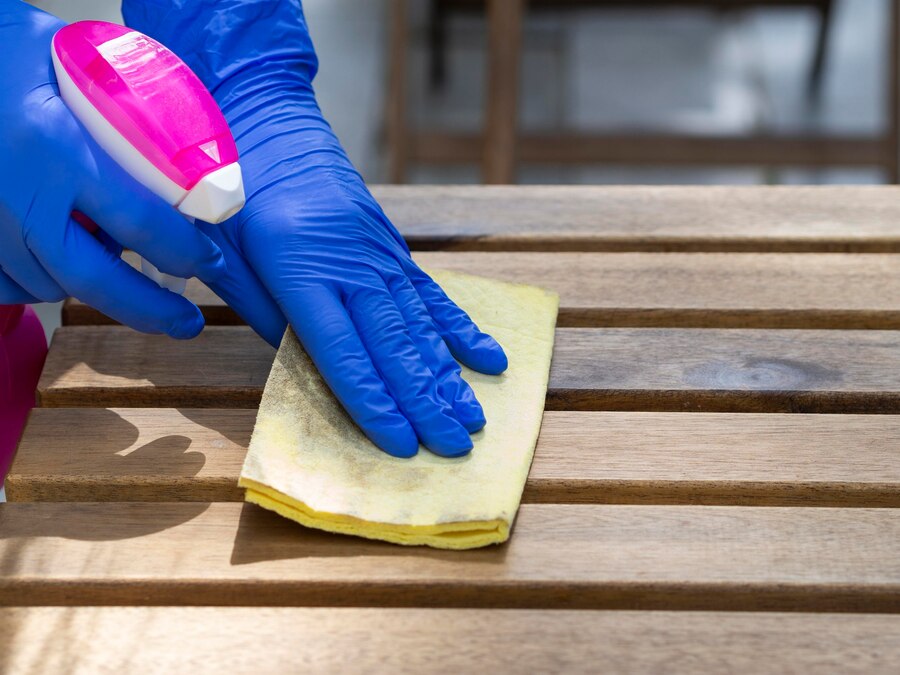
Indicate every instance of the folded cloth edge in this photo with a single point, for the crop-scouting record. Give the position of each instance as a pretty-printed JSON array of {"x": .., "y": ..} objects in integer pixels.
[{"x": 455, "y": 536}]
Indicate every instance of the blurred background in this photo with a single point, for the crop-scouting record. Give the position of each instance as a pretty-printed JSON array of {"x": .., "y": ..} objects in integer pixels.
[{"x": 604, "y": 91}]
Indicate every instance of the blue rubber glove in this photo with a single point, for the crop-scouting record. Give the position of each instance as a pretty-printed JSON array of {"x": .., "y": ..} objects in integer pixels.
[
  {"x": 50, "y": 167},
  {"x": 312, "y": 247}
]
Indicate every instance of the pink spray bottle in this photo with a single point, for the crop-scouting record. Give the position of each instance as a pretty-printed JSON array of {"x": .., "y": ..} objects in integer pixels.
[{"x": 152, "y": 114}]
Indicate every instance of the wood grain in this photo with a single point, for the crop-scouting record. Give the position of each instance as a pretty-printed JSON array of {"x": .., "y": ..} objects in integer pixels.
[
  {"x": 718, "y": 290},
  {"x": 249, "y": 641},
  {"x": 560, "y": 556},
  {"x": 93, "y": 454},
  {"x": 593, "y": 369}
]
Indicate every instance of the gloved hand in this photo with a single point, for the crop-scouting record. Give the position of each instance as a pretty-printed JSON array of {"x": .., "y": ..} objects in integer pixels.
[
  {"x": 311, "y": 246},
  {"x": 50, "y": 167}
]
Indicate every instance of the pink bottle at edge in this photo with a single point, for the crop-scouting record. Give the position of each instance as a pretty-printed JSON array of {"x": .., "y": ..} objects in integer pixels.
[{"x": 23, "y": 348}]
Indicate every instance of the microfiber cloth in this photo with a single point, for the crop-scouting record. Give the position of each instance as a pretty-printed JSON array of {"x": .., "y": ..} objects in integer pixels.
[{"x": 309, "y": 462}]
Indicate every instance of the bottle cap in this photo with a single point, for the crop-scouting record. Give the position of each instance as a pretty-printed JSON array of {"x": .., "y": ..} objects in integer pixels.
[{"x": 217, "y": 196}]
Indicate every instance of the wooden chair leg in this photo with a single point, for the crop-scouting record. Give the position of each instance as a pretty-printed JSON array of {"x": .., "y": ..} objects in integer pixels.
[
  {"x": 893, "y": 93},
  {"x": 504, "y": 62},
  {"x": 817, "y": 71},
  {"x": 437, "y": 43},
  {"x": 396, "y": 118}
]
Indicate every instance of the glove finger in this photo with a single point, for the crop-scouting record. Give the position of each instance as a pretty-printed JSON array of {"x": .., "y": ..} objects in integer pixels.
[
  {"x": 245, "y": 293},
  {"x": 139, "y": 220},
  {"x": 478, "y": 350},
  {"x": 91, "y": 273},
  {"x": 19, "y": 262},
  {"x": 412, "y": 385},
  {"x": 13, "y": 294},
  {"x": 329, "y": 336},
  {"x": 452, "y": 387}
]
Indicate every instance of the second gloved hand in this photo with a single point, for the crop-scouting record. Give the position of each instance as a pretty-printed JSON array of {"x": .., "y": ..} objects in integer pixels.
[{"x": 312, "y": 247}]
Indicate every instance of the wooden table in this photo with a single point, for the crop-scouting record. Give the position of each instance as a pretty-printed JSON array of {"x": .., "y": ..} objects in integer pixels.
[{"x": 712, "y": 490}]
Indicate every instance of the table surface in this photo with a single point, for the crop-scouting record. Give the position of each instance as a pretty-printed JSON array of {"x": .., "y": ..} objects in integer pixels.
[{"x": 715, "y": 485}]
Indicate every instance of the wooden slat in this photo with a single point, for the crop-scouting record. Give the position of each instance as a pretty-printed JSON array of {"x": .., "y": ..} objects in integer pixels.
[
  {"x": 94, "y": 454},
  {"x": 719, "y": 290},
  {"x": 560, "y": 556},
  {"x": 257, "y": 640},
  {"x": 638, "y": 218},
  {"x": 593, "y": 369}
]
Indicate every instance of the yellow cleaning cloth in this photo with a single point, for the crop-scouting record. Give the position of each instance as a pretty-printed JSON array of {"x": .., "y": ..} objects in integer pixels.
[{"x": 309, "y": 462}]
